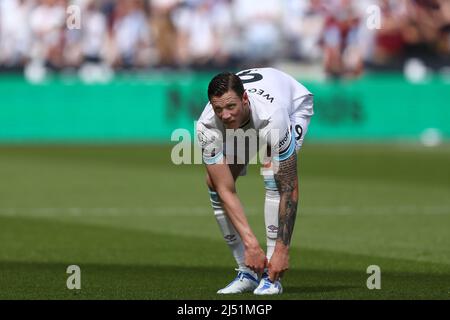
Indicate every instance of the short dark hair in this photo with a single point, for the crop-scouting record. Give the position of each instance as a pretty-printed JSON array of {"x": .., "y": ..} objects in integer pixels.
[{"x": 224, "y": 82}]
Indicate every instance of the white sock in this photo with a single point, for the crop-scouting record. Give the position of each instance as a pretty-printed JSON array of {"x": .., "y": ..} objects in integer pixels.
[
  {"x": 229, "y": 233},
  {"x": 271, "y": 205}
]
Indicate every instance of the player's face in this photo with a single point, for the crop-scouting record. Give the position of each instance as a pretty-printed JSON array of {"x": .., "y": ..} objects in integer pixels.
[{"x": 230, "y": 109}]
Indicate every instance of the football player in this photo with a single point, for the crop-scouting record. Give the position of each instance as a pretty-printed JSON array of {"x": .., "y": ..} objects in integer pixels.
[{"x": 274, "y": 106}]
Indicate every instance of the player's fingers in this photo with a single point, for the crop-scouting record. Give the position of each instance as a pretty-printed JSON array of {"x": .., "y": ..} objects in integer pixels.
[
  {"x": 251, "y": 267},
  {"x": 260, "y": 269},
  {"x": 260, "y": 266}
]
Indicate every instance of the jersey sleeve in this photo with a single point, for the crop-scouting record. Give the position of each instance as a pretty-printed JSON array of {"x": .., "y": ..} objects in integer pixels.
[
  {"x": 278, "y": 136},
  {"x": 210, "y": 142}
]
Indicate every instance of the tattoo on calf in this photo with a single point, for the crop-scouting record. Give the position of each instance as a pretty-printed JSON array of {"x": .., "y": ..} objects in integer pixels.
[{"x": 287, "y": 183}]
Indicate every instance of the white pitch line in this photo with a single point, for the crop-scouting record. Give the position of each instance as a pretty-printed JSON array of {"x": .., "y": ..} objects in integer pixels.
[{"x": 206, "y": 211}]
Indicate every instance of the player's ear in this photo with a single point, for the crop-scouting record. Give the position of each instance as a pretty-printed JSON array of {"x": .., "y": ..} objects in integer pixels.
[{"x": 245, "y": 97}]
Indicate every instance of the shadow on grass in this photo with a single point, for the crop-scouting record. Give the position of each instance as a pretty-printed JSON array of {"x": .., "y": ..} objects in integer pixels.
[
  {"x": 21, "y": 280},
  {"x": 119, "y": 263}
]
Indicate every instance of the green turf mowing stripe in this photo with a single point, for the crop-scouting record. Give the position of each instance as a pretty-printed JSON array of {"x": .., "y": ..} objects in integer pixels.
[{"x": 130, "y": 264}]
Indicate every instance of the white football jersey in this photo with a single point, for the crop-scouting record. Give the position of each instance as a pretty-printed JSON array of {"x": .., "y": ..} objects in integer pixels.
[{"x": 275, "y": 99}]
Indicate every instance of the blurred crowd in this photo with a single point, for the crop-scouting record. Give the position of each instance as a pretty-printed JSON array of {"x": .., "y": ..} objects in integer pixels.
[{"x": 344, "y": 36}]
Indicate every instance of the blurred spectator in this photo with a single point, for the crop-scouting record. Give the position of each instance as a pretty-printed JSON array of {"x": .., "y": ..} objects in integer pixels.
[
  {"x": 195, "y": 27},
  {"x": 15, "y": 37},
  {"x": 94, "y": 33},
  {"x": 224, "y": 33},
  {"x": 260, "y": 25},
  {"x": 47, "y": 24},
  {"x": 131, "y": 34},
  {"x": 303, "y": 22},
  {"x": 164, "y": 31},
  {"x": 342, "y": 55},
  {"x": 427, "y": 27},
  {"x": 389, "y": 40}
]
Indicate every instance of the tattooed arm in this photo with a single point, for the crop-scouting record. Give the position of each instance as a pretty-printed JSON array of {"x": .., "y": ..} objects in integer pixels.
[{"x": 287, "y": 184}]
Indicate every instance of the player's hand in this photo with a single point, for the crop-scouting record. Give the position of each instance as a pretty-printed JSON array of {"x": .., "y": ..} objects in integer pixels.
[
  {"x": 255, "y": 259},
  {"x": 279, "y": 262}
]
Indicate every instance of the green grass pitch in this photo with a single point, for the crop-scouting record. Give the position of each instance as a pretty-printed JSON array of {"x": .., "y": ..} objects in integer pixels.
[{"x": 140, "y": 227}]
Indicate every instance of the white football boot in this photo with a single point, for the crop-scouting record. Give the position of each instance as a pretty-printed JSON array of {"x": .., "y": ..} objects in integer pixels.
[
  {"x": 267, "y": 287},
  {"x": 244, "y": 282}
]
